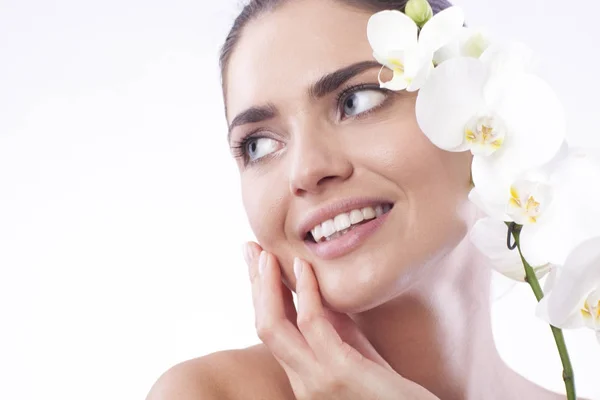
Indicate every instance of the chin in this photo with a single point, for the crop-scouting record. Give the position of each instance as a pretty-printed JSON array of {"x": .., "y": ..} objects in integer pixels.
[
  {"x": 371, "y": 278},
  {"x": 362, "y": 284}
]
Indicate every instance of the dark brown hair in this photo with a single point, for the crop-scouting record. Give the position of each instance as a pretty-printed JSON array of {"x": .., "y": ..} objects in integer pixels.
[{"x": 257, "y": 7}]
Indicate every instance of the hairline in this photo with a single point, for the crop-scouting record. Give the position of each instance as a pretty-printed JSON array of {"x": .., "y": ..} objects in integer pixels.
[
  {"x": 260, "y": 10},
  {"x": 227, "y": 51}
]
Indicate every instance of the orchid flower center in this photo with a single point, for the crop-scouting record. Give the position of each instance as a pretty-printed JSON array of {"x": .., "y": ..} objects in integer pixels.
[
  {"x": 528, "y": 201},
  {"x": 591, "y": 310},
  {"x": 396, "y": 65},
  {"x": 485, "y": 134}
]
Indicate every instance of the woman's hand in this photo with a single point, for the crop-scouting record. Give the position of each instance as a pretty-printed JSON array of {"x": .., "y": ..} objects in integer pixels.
[{"x": 323, "y": 353}]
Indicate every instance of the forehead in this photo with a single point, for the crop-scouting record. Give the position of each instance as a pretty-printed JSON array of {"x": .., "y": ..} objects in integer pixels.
[{"x": 282, "y": 52}]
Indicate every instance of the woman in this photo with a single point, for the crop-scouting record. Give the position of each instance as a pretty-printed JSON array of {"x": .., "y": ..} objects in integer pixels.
[{"x": 393, "y": 300}]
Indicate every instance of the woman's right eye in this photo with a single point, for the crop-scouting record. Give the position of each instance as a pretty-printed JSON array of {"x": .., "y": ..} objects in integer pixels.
[{"x": 258, "y": 147}]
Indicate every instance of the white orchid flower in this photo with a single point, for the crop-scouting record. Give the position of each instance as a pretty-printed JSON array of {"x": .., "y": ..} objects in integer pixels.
[
  {"x": 469, "y": 42},
  {"x": 572, "y": 291},
  {"x": 489, "y": 237},
  {"x": 557, "y": 204},
  {"x": 559, "y": 212},
  {"x": 509, "y": 119},
  {"x": 398, "y": 45},
  {"x": 507, "y": 201}
]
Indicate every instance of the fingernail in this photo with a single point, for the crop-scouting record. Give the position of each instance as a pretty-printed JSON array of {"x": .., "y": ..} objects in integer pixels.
[
  {"x": 262, "y": 262},
  {"x": 297, "y": 267},
  {"x": 246, "y": 249}
]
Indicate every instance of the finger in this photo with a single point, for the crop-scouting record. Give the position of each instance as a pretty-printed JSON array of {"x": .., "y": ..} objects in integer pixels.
[
  {"x": 251, "y": 252},
  {"x": 288, "y": 304},
  {"x": 351, "y": 334},
  {"x": 251, "y": 255},
  {"x": 274, "y": 328},
  {"x": 281, "y": 293},
  {"x": 312, "y": 322}
]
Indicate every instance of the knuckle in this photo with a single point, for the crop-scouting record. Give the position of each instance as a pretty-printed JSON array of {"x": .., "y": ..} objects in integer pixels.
[
  {"x": 253, "y": 272},
  {"x": 266, "y": 330},
  {"x": 350, "y": 355},
  {"x": 347, "y": 358},
  {"x": 324, "y": 383},
  {"x": 302, "y": 394},
  {"x": 331, "y": 383},
  {"x": 307, "y": 320}
]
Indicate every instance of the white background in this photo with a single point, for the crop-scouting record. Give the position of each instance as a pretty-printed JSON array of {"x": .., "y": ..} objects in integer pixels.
[{"x": 120, "y": 214}]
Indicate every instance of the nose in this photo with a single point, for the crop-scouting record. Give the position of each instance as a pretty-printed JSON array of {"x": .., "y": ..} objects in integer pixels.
[{"x": 318, "y": 161}]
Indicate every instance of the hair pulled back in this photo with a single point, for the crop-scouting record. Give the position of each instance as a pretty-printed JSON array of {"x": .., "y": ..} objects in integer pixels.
[{"x": 255, "y": 8}]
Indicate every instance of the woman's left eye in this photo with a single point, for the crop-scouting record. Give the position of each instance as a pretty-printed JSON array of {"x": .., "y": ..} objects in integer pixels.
[{"x": 361, "y": 101}]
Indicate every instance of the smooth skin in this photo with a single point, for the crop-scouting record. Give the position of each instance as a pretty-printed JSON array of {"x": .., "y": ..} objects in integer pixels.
[
  {"x": 404, "y": 316},
  {"x": 323, "y": 353}
]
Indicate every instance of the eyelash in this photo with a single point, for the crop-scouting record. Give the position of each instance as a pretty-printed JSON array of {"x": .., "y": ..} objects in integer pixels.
[
  {"x": 239, "y": 149},
  {"x": 344, "y": 94}
]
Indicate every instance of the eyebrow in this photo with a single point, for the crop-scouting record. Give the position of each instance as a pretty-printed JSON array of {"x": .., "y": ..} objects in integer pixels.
[{"x": 324, "y": 86}]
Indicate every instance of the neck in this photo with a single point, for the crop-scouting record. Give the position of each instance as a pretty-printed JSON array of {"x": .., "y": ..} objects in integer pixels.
[{"x": 438, "y": 333}]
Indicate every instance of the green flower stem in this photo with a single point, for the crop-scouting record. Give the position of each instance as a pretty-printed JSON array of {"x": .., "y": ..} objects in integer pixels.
[{"x": 559, "y": 338}]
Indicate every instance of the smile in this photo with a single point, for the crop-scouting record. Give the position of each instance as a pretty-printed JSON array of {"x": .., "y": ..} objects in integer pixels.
[
  {"x": 345, "y": 222},
  {"x": 346, "y": 231}
]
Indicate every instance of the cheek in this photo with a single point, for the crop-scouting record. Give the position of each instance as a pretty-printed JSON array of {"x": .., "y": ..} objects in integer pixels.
[
  {"x": 264, "y": 198},
  {"x": 434, "y": 183},
  {"x": 264, "y": 204},
  {"x": 405, "y": 156},
  {"x": 438, "y": 188}
]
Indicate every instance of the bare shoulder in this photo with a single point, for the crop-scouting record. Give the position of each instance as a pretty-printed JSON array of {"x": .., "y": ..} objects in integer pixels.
[{"x": 251, "y": 373}]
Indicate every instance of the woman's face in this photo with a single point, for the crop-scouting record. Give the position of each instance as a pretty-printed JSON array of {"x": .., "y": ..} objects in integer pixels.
[{"x": 314, "y": 137}]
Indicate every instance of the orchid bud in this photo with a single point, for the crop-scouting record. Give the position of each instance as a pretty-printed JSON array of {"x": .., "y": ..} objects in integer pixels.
[
  {"x": 475, "y": 45},
  {"x": 419, "y": 11}
]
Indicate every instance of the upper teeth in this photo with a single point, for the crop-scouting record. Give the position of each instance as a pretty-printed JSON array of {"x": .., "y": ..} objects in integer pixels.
[{"x": 344, "y": 221}]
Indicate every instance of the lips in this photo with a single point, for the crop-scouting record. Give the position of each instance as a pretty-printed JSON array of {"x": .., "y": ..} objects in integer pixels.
[
  {"x": 345, "y": 222},
  {"x": 349, "y": 241},
  {"x": 337, "y": 240},
  {"x": 332, "y": 210}
]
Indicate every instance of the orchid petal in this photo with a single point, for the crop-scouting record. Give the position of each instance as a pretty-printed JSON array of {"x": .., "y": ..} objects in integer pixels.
[
  {"x": 447, "y": 52},
  {"x": 504, "y": 61},
  {"x": 420, "y": 78},
  {"x": 573, "y": 321},
  {"x": 551, "y": 279},
  {"x": 398, "y": 81},
  {"x": 489, "y": 237},
  {"x": 391, "y": 30},
  {"x": 574, "y": 210},
  {"x": 468, "y": 43},
  {"x": 493, "y": 184},
  {"x": 579, "y": 276},
  {"x": 442, "y": 28},
  {"x": 449, "y": 98},
  {"x": 591, "y": 309},
  {"x": 530, "y": 199},
  {"x": 381, "y": 59},
  {"x": 394, "y": 60},
  {"x": 507, "y": 59},
  {"x": 533, "y": 240},
  {"x": 415, "y": 58},
  {"x": 536, "y": 123},
  {"x": 491, "y": 209},
  {"x": 473, "y": 42},
  {"x": 417, "y": 68}
]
